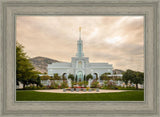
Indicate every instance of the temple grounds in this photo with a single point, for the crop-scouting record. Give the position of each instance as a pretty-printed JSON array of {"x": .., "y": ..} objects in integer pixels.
[{"x": 52, "y": 95}]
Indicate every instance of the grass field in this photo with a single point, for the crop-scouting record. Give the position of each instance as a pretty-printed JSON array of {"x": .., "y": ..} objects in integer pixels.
[{"x": 44, "y": 96}]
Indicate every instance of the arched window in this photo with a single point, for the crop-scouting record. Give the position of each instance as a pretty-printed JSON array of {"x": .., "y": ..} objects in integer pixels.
[{"x": 80, "y": 64}]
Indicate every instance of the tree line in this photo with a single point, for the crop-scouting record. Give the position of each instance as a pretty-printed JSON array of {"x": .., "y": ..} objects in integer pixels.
[{"x": 135, "y": 77}]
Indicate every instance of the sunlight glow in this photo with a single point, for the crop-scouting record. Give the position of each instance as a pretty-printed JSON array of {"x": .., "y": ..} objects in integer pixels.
[
  {"x": 114, "y": 40},
  {"x": 93, "y": 34}
]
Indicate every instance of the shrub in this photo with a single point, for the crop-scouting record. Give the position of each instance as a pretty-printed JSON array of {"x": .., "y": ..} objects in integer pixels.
[
  {"x": 87, "y": 88},
  {"x": 56, "y": 76},
  {"x": 111, "y": 85},
  {"x": 45, "y": 87},
  {"x": 32, "y": 88},
  {"x": 54, "y": 85},
  {"x": 127, "y": 88},
  {"x": 80, "y": 83},
  {"x": 64, "y": 84},
  {"x": 94, "y": 84},
  {"x": 85, "y": 83},
  {"x": 105, "y": 83},
  {"x": 120, "y": 79}
]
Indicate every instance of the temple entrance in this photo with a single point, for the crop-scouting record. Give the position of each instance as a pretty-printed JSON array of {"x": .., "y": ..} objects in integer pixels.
[{"x": 79, "y": 76}]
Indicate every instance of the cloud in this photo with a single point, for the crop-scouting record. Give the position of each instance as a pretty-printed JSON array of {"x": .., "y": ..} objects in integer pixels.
[{"x": 114, "y": 39}]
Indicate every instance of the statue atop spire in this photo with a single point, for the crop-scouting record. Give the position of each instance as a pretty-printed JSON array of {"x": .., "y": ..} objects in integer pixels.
[
  {"x": 79, "y": 29},
  {"x": 80, "y": 45}
]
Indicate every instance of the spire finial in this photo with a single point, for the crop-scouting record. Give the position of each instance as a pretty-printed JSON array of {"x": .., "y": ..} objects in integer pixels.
[{"x": 79, "y": 29}]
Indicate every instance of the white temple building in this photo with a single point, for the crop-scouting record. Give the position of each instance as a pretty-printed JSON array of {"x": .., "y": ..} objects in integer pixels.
[{"x": 79, "y": 65}]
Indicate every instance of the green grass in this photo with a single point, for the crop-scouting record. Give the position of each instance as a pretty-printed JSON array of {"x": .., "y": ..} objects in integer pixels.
[{"x": 44, "y": 96}]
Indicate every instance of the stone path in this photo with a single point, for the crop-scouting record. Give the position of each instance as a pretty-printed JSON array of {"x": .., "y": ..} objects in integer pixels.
[{"x": 100, "y": 91}]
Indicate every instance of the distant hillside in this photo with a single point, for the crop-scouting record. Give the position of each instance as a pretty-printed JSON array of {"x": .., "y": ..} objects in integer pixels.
[
  {"x": 41, "y": 63},
  {"x": 118, "y": 71}
]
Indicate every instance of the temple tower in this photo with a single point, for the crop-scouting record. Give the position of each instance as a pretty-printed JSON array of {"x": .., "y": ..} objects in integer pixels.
[{"x": 79, "y": 45}]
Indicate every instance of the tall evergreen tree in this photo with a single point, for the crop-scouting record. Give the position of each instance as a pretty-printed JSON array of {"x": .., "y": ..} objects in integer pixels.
[{"x": 24, "y": 69}]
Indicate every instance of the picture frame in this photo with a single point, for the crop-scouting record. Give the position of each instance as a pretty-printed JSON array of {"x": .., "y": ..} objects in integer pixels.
[{"x": 149, "y": 9}]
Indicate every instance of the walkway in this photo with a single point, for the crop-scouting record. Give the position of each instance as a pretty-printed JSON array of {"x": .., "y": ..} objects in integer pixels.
[{"x": 100, "y": 91}]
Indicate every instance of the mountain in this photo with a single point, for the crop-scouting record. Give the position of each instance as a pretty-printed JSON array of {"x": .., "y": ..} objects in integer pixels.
[
  {"x": 118, "y": 71},
  {"x": 41, "y": 63}
]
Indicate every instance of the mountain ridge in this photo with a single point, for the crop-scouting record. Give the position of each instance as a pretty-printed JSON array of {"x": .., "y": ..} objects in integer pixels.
[{"x": 40, "y": 63}]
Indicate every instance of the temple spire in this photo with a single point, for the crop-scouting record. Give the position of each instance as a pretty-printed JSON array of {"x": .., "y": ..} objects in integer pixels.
[
  {"x": 79, "y": 33},
  {"x": 79, "y": 45}
]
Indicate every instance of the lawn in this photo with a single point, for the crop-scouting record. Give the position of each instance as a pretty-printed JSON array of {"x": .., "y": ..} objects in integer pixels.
[{"x": 27, "y": 95}]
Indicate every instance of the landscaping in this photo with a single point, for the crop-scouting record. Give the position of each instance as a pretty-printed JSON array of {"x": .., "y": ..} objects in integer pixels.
[{"x": 59, "y": 84}]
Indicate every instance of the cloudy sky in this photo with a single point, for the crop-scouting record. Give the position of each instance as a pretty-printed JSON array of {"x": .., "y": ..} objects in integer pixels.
[{"x": 117, "y": 40}]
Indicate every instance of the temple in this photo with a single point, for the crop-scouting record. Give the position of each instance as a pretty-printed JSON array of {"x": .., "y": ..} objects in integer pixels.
[{"x": 79, "y": 65}]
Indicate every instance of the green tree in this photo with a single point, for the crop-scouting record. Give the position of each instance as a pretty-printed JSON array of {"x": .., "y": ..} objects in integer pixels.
[
  {"x": 135, "y": 77},
  {"x": 45, "y": 77},
  {"x": 128, "y": 76},
  {"x": 71, "y": 76},
  {"x": 35, "y": 79},
  {"x": 89, "y": 76},
  {"x": 56, "y": 76},
  {"x": 38, "y": 81},
  {"x": 104, "y": 77},
  {"x": 139, "y": 79},
  {"x": 45, "y": 72},
  {"x": 107, "y": 73},
  {"x": 32, "y": 80},
  {"x": 64, "y": 77},
  {"x": 24, "y": 69},
  {"x": 76, "y": 78},
  {"x": 84, "y": 78}
]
